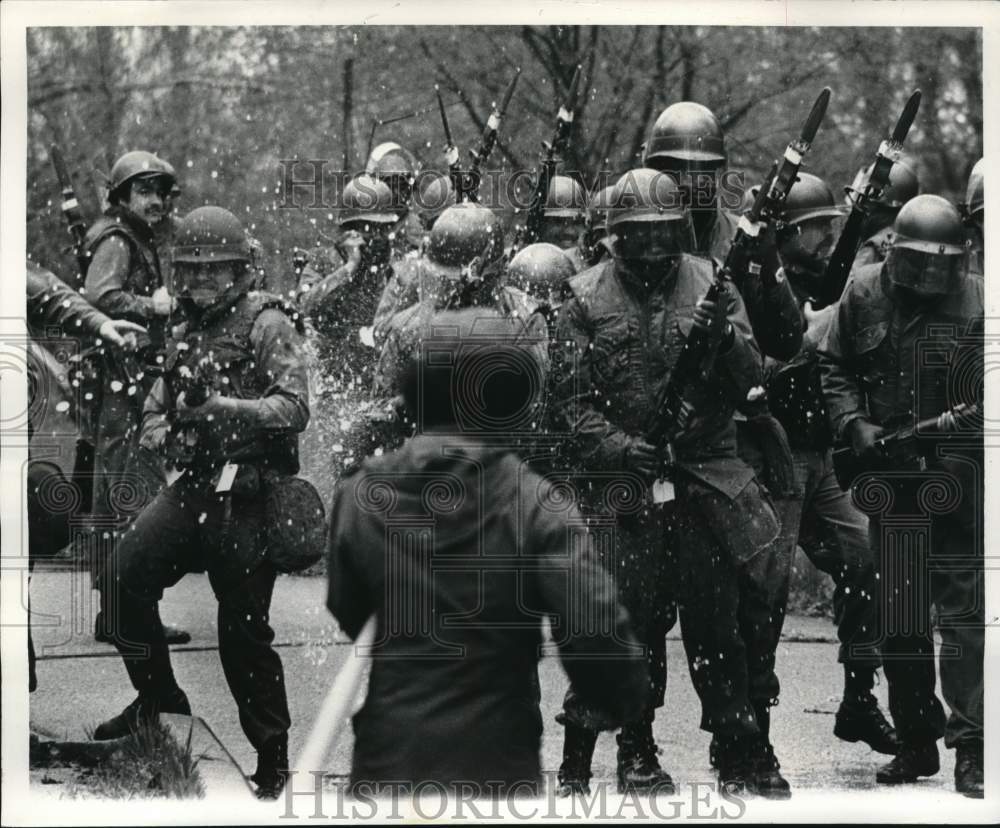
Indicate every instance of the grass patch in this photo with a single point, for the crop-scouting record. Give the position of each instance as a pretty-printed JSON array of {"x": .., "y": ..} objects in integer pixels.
[{"x": 149, "y": 763}]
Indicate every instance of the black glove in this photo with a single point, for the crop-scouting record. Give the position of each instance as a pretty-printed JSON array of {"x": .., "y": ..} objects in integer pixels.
[{"x": 641, "y": 458}]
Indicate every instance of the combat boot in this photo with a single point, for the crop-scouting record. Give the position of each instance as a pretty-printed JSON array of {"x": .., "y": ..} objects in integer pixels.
[
  {"x": 969, "y": 769},
  {"x": 272, "y": 768},
  {"x": 861, "y": 720},
  {"x": 143, "y": 710},
  {"x": 911, "y": 761},
  {"x": 638, "y": 766},
  {"x": 578, "y": 750},
  {"x": 767, "y": 773},
  {"x": 735, "y": 766}
]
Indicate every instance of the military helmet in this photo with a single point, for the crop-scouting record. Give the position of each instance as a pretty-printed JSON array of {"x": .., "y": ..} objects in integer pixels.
[
  {"x": 643, "y": 195},
  {"x": 565, "y": 199},
  {"x": 366, "y": 199},
  {"x": 434, "y": 195},
  {"x": 930, "y": 224},
  {"x": 685, "y": 131},
  {"x": 463, "y": 233},
  {"x": 975, "y": 192},
  {"x": 927, "y": 254},
  {"x": 810, "y": 197},
  {"x": 904, "y": 183},
  {"x": 208, "y": 235},
  {"x": 389, "y": 159},
  {"x": 539, "y": 269},
  {"x": 139, "y": 164}
]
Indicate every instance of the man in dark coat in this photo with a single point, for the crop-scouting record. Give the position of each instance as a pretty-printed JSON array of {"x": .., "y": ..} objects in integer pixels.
[{"x": 459, "y": 549}]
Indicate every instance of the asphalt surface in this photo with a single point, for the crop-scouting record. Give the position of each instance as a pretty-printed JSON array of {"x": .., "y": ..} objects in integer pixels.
[{"x": 82, "y": 682}]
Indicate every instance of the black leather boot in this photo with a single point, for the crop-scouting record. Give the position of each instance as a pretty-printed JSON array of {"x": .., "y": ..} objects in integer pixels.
[
  {"x": 144, "y": 709},
  {"x": 272, "y": 768},
  {"x": 578, "y": 750},
  {"x": 638, "y": 766},
  {"x": 969, "y": 769},
  {"x": 861, "y": 720},
  {"x": 911, "y": 761}
]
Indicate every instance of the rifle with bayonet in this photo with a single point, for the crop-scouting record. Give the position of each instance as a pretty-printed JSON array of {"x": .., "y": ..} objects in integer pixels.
[
  {"x": 490, "y": 133},
  {"x": 70, "y": 207},
  {"x": 889, "y": 151},
  {"x": 451, "y": 153},
  {"x": 908, "y": 448},
  {"x": 769, "y": 202},
  {"x": 553, "y": 150}
]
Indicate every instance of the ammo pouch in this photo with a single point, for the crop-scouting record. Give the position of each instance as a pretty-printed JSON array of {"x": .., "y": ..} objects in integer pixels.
[{"x": 294, "y": 522}]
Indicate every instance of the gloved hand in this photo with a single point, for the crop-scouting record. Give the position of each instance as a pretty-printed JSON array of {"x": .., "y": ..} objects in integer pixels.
[
  {"x": 163, "y": 303},
  {"x": 863, "y": 435},
  {"x": 121, "y": 333},
  {"x": 641, "y": 458}
]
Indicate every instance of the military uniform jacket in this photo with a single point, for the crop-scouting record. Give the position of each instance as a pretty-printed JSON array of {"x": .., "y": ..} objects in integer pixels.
[
  {"x": 773, "y": 310},
  {"x": 458, "y": 550},
  {"x": 251, "y": 351},
  {"x": 895, "y": 366},
  {"x": 53, "y": 303},
  {"x": 875, "y": 249},
  {"x": 627, "y": 340},
  {"x": 125, "y": 266}
]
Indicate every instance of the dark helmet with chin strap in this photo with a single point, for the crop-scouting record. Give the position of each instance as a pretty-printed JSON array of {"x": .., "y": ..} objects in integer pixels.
[
  {"x": 140, "y": 164},
  {"x": 928, "y": 251},
  {"x": 647, "y": 220},
  {"x": 212, "y": 255},
  {"x": 975, "y": 193}
]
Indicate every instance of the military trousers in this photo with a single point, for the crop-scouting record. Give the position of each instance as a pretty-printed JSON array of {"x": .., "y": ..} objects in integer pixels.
[
  {"x": 925, "y": 562},
  {"x": 185, "y": 529},
  {"x": 726, "y": 601}
]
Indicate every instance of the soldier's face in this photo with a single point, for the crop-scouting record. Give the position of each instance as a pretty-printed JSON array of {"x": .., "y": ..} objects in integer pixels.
[
  {"x": 149, "y": 200},
  {"x": 203, "y": 284},
  {"x": 810, "y": 249},
  {"x": 562, "y": 232},
  {"x": 650, "y": 241}
]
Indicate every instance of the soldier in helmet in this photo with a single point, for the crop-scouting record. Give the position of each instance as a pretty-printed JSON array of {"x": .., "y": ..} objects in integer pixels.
[
  {"x": 705, "y": 513},
  {"x": 895, "y": 321},
  {"x": 974, "y": 214},
  {"x": 228, "y": 411},
  {"x": 342, "y": 303},
  {"x": 128, "y": 278},
  {"x": 435, "y": 194},
  {"x": 564, "y": 218},
  {"x": 397, "y": 168},
  {"x": 687, "y": 142},
  {"x": 904, "y": 184},
  {"x": 831, "y": 530}
]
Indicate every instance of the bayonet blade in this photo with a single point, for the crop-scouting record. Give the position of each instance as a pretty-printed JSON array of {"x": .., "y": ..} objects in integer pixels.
[
  {"x": 811, "y": 126},
  {"x": 906, "y": 118},
  {"x": 444, "y": 118},
  {"x": 509, "y": 93}
]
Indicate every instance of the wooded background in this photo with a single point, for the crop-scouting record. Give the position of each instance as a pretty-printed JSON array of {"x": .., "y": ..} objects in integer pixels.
[{"x": 226, "y": 105}]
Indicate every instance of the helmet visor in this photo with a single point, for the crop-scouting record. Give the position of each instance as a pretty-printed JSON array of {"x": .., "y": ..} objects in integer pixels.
[
  {"x": 204, "y": 284},
  {"x": 652, "y": 240},
  {"x": 814, "y": 242},
  {"x": 923, "y": 273}
]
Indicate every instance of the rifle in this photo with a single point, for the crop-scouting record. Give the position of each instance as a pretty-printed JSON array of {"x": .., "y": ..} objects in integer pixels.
[
  {"x": 906, "y": 448},
  {"x": 839, "y": 266},
  {"x": 770, "y": 200},
  {"x": 489, "y": 139},
  {"x": 70, "y": 207},
  {"x": 553, "y": 149},
  {"x": 451, "y": 153}
]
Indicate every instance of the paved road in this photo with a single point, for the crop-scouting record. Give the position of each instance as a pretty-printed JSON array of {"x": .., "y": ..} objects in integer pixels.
[{"x": 82, "y": 682}]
